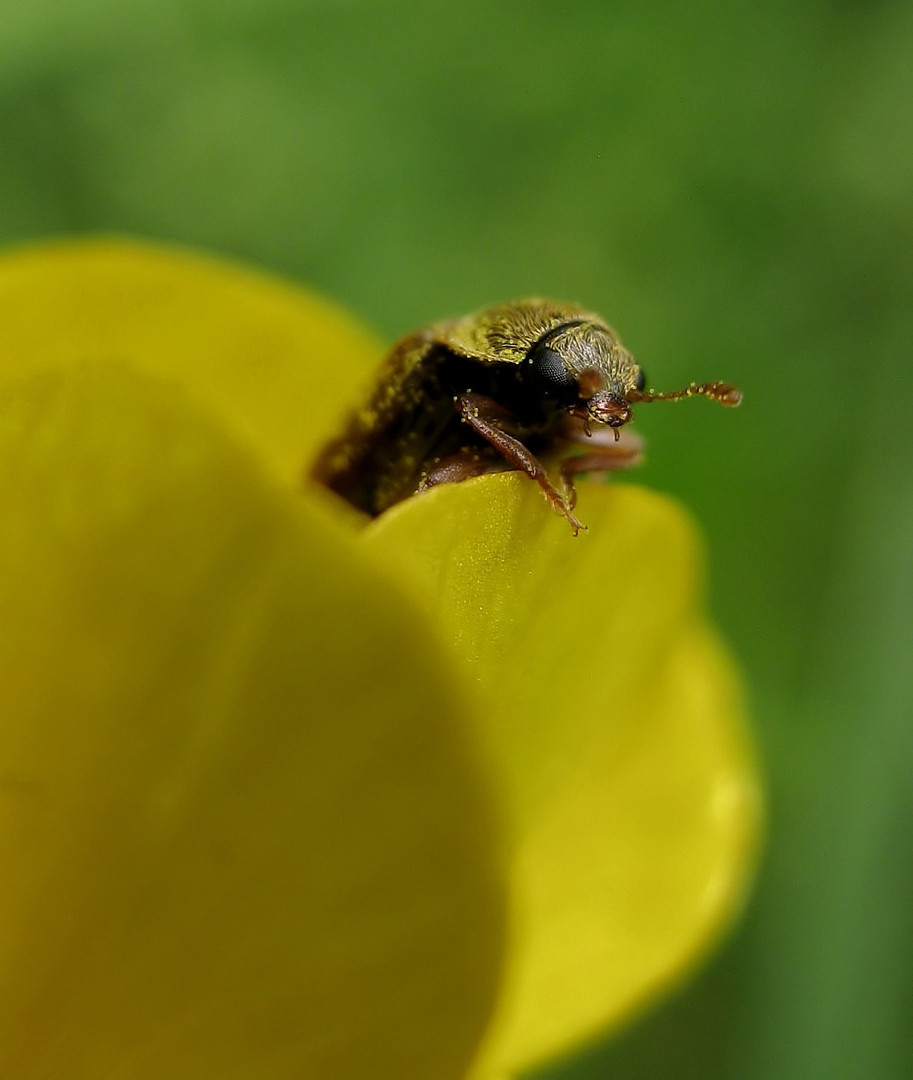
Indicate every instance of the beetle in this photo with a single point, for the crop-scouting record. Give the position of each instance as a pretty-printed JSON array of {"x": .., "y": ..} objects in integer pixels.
[{"x": 500, "y": 389}]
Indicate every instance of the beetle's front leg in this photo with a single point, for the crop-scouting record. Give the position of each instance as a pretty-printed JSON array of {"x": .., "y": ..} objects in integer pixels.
[{"x": 485, "y": 416}]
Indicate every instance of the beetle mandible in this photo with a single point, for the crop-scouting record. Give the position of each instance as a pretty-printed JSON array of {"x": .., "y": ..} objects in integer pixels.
[{"x": 500, "y": 389}]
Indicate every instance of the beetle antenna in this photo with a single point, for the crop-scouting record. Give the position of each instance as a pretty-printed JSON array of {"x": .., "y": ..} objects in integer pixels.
[{"x": 716, "y": 391}]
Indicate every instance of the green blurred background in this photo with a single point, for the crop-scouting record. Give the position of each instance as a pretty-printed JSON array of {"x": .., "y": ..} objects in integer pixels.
[{"x": 731, "y": 185}]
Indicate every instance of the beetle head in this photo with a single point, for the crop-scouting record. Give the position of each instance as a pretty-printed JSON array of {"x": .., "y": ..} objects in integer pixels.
[
  {"x": 584, "y": 361},
  {"x": 608, "y": 407}
]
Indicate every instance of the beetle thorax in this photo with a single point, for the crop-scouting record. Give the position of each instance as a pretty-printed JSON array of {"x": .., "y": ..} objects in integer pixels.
[{"x": 593, "y": 354}]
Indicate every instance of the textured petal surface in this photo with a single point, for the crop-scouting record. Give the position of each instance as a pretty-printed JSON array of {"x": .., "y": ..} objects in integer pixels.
[
  {"x": 241, "y": 831},
  {"x": 617, "y": 738},
  {"x": 277, "y": 364}
]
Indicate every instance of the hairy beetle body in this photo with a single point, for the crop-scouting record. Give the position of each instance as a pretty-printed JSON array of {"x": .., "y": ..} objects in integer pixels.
[{"x": 496, "y": 390}]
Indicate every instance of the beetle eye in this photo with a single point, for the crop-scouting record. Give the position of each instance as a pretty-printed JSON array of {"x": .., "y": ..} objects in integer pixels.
[
  {"x": 549, "y": 368},
  {"x": 641, "y": 381}
]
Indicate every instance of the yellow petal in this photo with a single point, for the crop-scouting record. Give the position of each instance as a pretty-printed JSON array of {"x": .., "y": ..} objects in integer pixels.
[
  {"x": 275, "y": 363},
  {"x": 241, "y": 831},
  {"x": 617, "y": 736}
]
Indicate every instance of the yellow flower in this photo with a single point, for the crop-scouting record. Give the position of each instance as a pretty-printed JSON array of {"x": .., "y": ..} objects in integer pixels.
[{"x": 281, "y": 796}]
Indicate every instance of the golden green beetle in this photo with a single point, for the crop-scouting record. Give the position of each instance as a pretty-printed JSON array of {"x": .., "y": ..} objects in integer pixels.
[{"x": 503, "y": 388}]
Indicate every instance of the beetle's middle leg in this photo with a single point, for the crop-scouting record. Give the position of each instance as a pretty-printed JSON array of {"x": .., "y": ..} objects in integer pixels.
[
  {"x": 605, "y": 454},
  {"x": 597, "y": 461},
  {"x": 462, "y": 465},
  {"x": 485, "y": 417}
]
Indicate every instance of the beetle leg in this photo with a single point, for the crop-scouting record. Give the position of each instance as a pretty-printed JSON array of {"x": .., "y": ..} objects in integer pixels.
[
  {"x": 568, "y": 487},
  {"x": 485, "y": 416},
  {"x": 453, "y": 468},
  {"x": 606, "y": 459}
]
